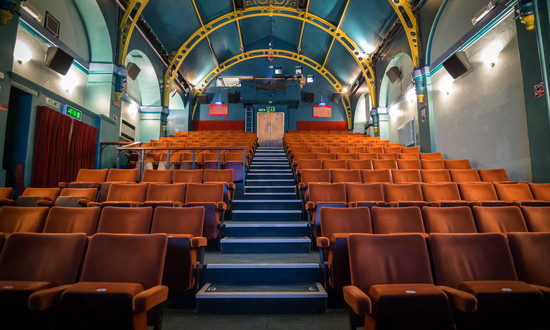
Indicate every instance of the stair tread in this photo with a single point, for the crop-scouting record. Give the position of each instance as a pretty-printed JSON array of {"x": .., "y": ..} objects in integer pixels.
[
  {"x": 263, "y": 258},
  {"x": 265, "y": 239},
  {"x": 267, "y": 201},
  {"x": 267, "y": 211},
  {"x": 243, "y": 290},
  {"x": 266, "y": 223}
]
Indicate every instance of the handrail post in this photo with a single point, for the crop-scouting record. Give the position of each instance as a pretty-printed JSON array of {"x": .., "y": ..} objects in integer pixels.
[
  {"x": 219, "y": 158},
  {"x": 193, "y": 160},
  {"x": 118, "y": 159},
  {"x": 142, "y": 167},
  {"x": 167, "y": 158},
  {"x": 244, "y": 167}
]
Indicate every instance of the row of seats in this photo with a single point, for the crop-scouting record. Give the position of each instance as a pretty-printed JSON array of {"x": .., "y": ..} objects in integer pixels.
[
  {"x": 361, "y": 149},
  {"x": 119, "y": 285},
  {"x": 479, "y": 281},
  {"x": 401, "y": 164}
]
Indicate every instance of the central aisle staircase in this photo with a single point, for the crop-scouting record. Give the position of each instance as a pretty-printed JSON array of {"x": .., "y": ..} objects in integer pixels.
[{"x": 265, "y": 264}]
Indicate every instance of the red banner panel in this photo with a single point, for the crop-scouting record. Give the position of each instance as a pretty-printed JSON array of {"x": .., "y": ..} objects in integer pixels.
[
  {"x": 322, "y": 111},
  {"x": 302, "y": 125},
  {"x": 218, "y": 110}
]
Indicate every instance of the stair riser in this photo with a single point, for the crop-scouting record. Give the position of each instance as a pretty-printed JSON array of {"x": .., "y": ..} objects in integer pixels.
[
  {"x": 245, "y": 248},
  {"x": 287, "y": 182},
  {"x": 237, "y": 205},
  {"x": 268, "y": 216},
  {"x": 265, "y": 232},
  {"x": 262, "y": 306},
  {"x": 261, "y": 275},
  {"x": 275, "y": 189},
  {"x": 269, "y": 197}
]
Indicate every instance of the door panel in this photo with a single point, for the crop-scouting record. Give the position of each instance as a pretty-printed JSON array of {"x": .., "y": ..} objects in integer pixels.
[
  {"x": 263, "y": 122},
  {"x": 277, "y": 128}
]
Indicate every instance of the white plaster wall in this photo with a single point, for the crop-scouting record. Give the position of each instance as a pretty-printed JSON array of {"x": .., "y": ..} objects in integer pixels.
[
  {"x": 398, "y": 114},
  {"x": 484, "y": 119}
]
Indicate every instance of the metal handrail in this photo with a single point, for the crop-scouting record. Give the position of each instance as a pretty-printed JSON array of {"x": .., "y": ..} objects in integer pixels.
[{"x": 104, "y": 145}]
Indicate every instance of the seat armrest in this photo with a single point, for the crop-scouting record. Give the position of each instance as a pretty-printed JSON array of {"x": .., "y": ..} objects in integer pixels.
[
  {"x": 323, "y": 242},
  {"x": 302, "y": 186},
  {"x": 197, "y": 242},
  {"x": 545, "y": 290},
  {"x": 461, "y": 300},
  {"x": 178, "y": 204},
  {"x": 63, "y": 185},
  {"x": 84, "y": 202},
  {"x": 310, "y": 206},
  {"x": 352, "y": 204},
  {"x": 145, "y": 300},
  {"x": 6, "y": 202},
  {"x": 393, "y": 204},
  {"x": 221, "y": 206},
  {"x": 44, "y": 202},
  {"x": 44, "y": 299},
  {"x": 357, "y": 300},
  {"x": 92, "y": 204},
  {"x": 231, "y": 185}
]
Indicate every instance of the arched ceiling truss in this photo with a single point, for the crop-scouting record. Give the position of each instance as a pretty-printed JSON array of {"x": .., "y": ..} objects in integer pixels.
[
  {"x": 405, "y": 13},
  {"x": 127, "y": 25},
  {"x": 260, "y": 53}
]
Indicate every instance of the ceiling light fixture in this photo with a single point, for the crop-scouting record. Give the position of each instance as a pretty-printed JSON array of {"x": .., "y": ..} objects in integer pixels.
[
  {"x": 31, "y": 11},
  {"x": 483, "y": 12}
]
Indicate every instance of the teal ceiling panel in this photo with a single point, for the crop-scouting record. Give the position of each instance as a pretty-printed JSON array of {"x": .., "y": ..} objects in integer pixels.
[
  {"x": 255, "y": 29},
  {"x": 198, "y": 64},
  {"x": 342, "y": 65},
  {"x": 366, "y": 21},
  {"x": 173, "y": 21},
  {"x": 212, "y": 9},
  {"x": 315, "y": 43},
  {"x": 226, "y": 42},
  {"x": 287, "y": 29},
  {"x": 330, "y": 10},
  {"x": 277, "y": 44}
]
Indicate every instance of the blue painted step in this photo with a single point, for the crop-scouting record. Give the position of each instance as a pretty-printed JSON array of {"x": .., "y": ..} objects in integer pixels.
[
  {"x": 285, "y": 204},
  {"x": 270, "y": 182},
  {"x": 230, "y": 245},
  {"x": 266, "y": 215},
  {"x": 265, "y": 229},
  {"x": 267, "y": 176}
]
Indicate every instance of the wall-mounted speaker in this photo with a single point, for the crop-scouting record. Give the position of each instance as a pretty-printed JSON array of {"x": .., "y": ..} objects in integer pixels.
[
  {"x": 202, "y": 99},
  {"x": 239, "y": 4},
  {"x": 457, "y": 64},
  {"x": 309, "y": 97},
  {"x": 394, "y": 74},
  {"x": 301, "y": 4},
  {"x": 58, "y": 60},
  {"x": 133, "y": 70},
  {"x": 336, "y": 97},
  {"x": 232, "y": 97}
]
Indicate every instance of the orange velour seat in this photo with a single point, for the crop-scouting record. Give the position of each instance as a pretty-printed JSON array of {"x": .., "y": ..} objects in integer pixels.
[
  {"x": 457, "y": 164},
  {"x": 159, "y": 176},
  {"x": 87, "y": 178},
  {"x": 384, "y": 164},
  {"x": 480, "y": 193},
  {"x": 531, "y": 252},
  {"x": 119, "y": 284},
  {"x": 345, "y": 176},
  {"x": 406, "y": 176},
  {"x": 499, "y": 219},
  {"x": 6, "y": 193},
  {"x": 494, "y": 175},
  {"x": 122, "y": 175},
  {"x": 394, "y": 220},
  {"x": 540, "y": 191},
  {"x": 481, "y": 267},
  {"x": 404, "y": 194},
  {"x": 30, "y": 263},
  {"x": 22, "y": 219},
  {"x": 163, "y": 194},
  {"x": 125, "y": 220},
  {"x": 188, "y": 176},
  {"x": 324, "y": 195},
  {"x": 365, "y": 194},
  {"x": 210, "y": 196},
  {"x": 408, "y": 164},
  {"x": 359, "y": 164},
  {"x": 432, "y": 164},
  {"x": 442, "y": 194},
  {"x": 72, "y": 220},
  {"x": 464, "y": 175},
  {"x": 184, "y": 226},
  {"x": 76, "y": 197},
  {"x": 124, "y": 194},
  {"x": 35, "y": 197},
  {"x": 518, "y": 194},
  {"x": 537, "y": 218},
  {"x": 376, "y": 176},
  {"x": 449, "y": 220},
  {"x": 431, "y": 156},
  {"x": 392, "y": 286},
  {"x": 221, "y": 176},
  {"x": 310, "y": 176},
  {"x": 434, "y": 176}
]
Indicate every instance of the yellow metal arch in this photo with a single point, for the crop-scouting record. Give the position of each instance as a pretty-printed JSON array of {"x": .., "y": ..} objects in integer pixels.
[
  {"x": 127, "y": 25},
  {"x": 279, "y": 11},
  {"x": 402, "y": 7},
  {"x": 210, "y": 77}
]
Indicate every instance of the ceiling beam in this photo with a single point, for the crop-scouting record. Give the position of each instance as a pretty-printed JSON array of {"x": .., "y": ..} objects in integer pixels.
[
  {"x": 405, "y": 13},
  {"x": 239, "y": 28},
  {"x": 207, "y": 38},
  {"x": 338, "y": 28},
  {"x": 260, "y": 53},
  {"x": 362, "y": 60},
  {"x": 302, "y": 30},
  {"x": 127, "y": 25}
]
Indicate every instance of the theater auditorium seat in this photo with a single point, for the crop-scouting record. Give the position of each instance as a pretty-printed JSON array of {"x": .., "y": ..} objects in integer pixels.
[
  {"x": 449, "y": 219},
  {"x": 464, "y": 175},
  {"x": 365, "y": 194},
  {"x": 499, "y": 219},
  {"x": 310, "y": 176},
  {"x": 124, "y": 194},
  {"x": 537, "y": 219},
  {"x": 404, "y": 194},
  {"x": 210, "y": 196},
  {"x": 392, "y": 286},
  {"x": 359, "y": 164},
  {"x": 431, "y": 156},
  {"x": 494, "y": 175},
  {"x": 540, "y": 191},
  {"x": 432, "y": 164},
  {"x": 442, "y": 194},
  {"x": 163, "y": 194},
  {"x": 158, "y": 176},
  {"x": 332, "y": 164},
  {"x": 22, "y": 219},
  {"x": 376, "y": 176},
  {"x": 323, "y": 195},
  {"x": 408, "y": 164},
  {"x": 34, "y": 197},
  {"x": 345, "y": 176},
  {"x": 87, "y": 178},
  {"x": 125, "y": 220},
  {"x": 388, "y": 156},
  {"x": 480, "y": 194},
  {"x": 6, "y": 193},
  {"x": 409, "y": 156},
  {"x": 457, "y": 164},
  {"x": 435, "y": 176},
  {"x": 72, "y": 220},
  {"x": 108, "y": 295},
  {"x": 394, "y": 220},
  {"x": 406, "y": 176},
  {"x": 221, "y": 176},
  {"x": 30, "y": 263},
  {"x": 384, "y": 164},
  {"x": 188, "y": 176},
  {"x": 518, "y": 194},
  {"x": 76, "y": 197}
]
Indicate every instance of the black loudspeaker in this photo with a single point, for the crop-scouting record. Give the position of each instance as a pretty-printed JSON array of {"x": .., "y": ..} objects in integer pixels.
[
  {"x": 394, "y": 74},
  {"x": 336, "y": 97},
  {"x": 301, "y": 4},
  {"x": 457, "y": 64},
  {"x": 58, "y": 60},
  {"x": 133, "y": 70},
  {"x": 231, "y": 97},
  {"x": 239, "y": 4},
  {"x": 309, "y": 97},
  {"x": 202, "y": 99}
]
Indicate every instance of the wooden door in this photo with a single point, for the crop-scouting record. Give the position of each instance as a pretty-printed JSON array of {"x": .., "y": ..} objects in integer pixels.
[{"x": 270, "y": 128}]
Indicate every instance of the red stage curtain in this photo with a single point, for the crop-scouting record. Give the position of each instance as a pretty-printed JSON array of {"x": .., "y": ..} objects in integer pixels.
[{"x": 62, "y": 146}]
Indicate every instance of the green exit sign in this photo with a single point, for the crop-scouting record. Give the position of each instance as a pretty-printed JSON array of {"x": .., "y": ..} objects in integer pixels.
[
  {"x": 270, "y": 109},
  {"x": 74, "y": 113}
]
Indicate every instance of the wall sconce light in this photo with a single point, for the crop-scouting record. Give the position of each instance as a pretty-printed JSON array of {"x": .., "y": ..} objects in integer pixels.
[
  {"x": 132, "y": 109},
  {"x": 446, "y": 85},
  {"x": 31, "y": 11},
  {"x": 69, "y": 81},
  {"x": 411, "y": 95},
  {"x": 22, "y": 53},
  {"x": 367, "y": 48},
  {"x": 309, "y": 79},
  {"x": 344, "y": 90},
  {"x": 491, "y": 52},
  {"x": 483, "y": 12}
]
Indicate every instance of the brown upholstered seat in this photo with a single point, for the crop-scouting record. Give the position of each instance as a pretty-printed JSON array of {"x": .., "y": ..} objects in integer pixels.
[
  {"x": 163, "y": 194},
  {"x": 464, "y": 175},
  {"x": 406, "y": 176},
  {"x": 376, "y": 176},
  {"x": 6, "y": 193},
  {"x": 449, "y": 220},
  {"x": 388, "y": 156},
  {"x": 87, "y": 178},
  {"x": 122, "y": 175},
  {"x": 72, "y": 220},
  {"x": 359, "y": 164},
  {"x": 34, "y": 197},
  {"x": 159, "y": 176},
  {"x": 442, "y": 194},
  {"x": 499, "y": 219},
  {"x": 537, "y": 218},
  {"x": 125, "y": 220},
  {"x": 310, "y": 176},
  {"x": 365, "y": 194},
  {"x": 518, "y": 194},
  {"x": 210, "y": 196},
  {"x": 411, "y": 150},
  {"x": 480, "y": 194},
  {"x": 324, "y": 195},
  {"x": 76, "y": 197},
  {"x": 391, "y": 283},
  {"x": 408, "y": 164},
  {"x": 384, "y": 164},
  {"x": 432, "y": 164},
  {"x": 369, "y": 156},
  {"x": 431, "y": 156},
  {"x": 124, "y": 194},
  {"x": 540, "y": 191},
  {"x": 409, "y": 156},
  {"x": 394, "y": 220},
  {"x": 404, "y": 194},
  {"x": 15, "y": 219},
  {"x": 434, "y": 176},
  {"x": 345, "y": 176},
  {"x": 457, "y": 164},
  {"x": 188, "y": 176},
  {"x": 494, "y": 175},
  {"x": 221, "y": 176}
]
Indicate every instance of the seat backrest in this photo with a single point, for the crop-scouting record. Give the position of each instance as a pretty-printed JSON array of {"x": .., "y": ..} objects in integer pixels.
[
  {"x": 406, "y": 176},
  {"x": 499, "y": 219},
  {"x": 479, "y": 191},
  {"x": 359, "y": 164},
  {"x": 514, "y": 191},
  {"x": 346, "y": 176},
  {"x": 432, "y": 176},
  {"x": 537, "y": 218},
  {"x": 388, "y": 259},
  {"x": 204, "y": 193},
  {"x": 86, "y": 193},
  {"x": 49, "y": 193},
  {"x": 392, "y": 150},
  {"x": 88, "y": 175},
  {"x": 315, "y": 164},
  {"x": 376, "y": 176},
  {"x": 410, "y": 150},
  {"x": 401, "y": 192},
  {"x": 409, "y": 156},
  {"x": 432, "y": 164},
  {"x": 356, "y": 150},
  {"x": 178, "y": 220},
  {"x": 408, "y": 164},
  {"x": 471, "y": 257},
  {"x": 363, "y": 192},
  {"x": 127, "y": 192},
  {"x": 218, "y": 176},
  {"x": 325, "y": 156},
  {"x": 531, "y": 252},
  {"x": 467, "y": 175},
  {"x": 457, "y": 164},
  {"x": 374, "y": 150},
  {"x": 327, "y": 192},
  {"x": 125, "y": 220},
  {"x": 440, "y": 192},
  {"x": 299, "y": 149},
  {"x": 122, "y": 175},
  {"x": 346, "y": 156},
  {"x": 493, "y": 175},
  {"x": 381, "y": 164},
  {"x": 431, "y": 155},
  {"x": 540, "y": 190},
  {"x": 188, "y": 176},
  {"x": 345, "y": 220},
  {"x": 72, "y": 220},
  {"x": 393, "y": 220},
  {"x": 161, "y": 176},
  {"x": 315, "y": 176},
  {"x": 457, "y": 219},
  {"x": 51, "y": 258},
  {"x": 336, "y": 150},
  {"x": 388, "y": 156},
  {"x": 316, "y": 150},
  {"x": 329, "y": 164},
  {"x": 22, "y": 219},
  {"x": 6, "y": 192},
  {"x": 110, "y": 257},
  {"x": 174, "y": 192},
  {"x": 370, "y": 156}
]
